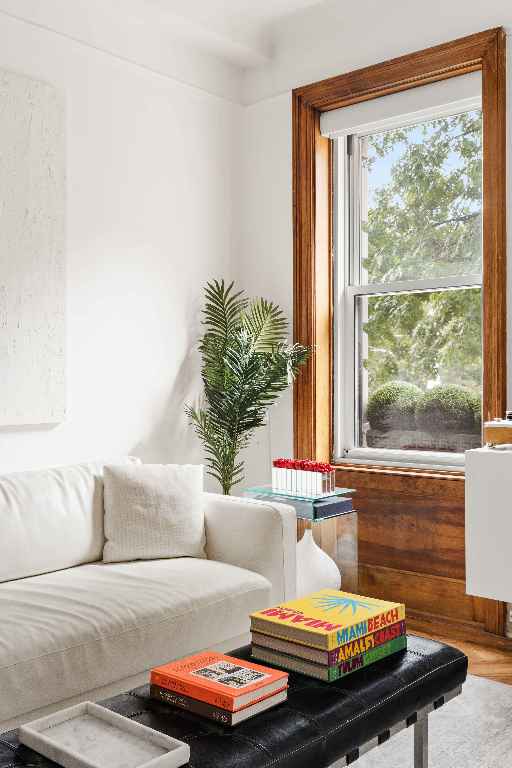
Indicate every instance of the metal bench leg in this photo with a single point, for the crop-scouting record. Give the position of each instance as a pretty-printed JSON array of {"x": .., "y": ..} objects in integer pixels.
[{"x": 421, "y": 743}]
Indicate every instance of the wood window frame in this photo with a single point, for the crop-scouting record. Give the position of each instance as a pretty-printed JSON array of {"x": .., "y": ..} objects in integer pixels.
[{"x": 312, "y": 219}]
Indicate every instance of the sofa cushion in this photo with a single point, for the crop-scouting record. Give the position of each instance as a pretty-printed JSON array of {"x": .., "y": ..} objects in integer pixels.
[
  {"x": 69, "y": 632},
  {"x": 153, "y": 511},
  {"x": 51, "y": 519}
]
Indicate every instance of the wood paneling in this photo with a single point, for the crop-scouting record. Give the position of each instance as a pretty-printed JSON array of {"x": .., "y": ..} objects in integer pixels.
[
  {"x": 494, "y": 228},
  {"x": 411, "y": 523},
  {"x": 429, "y": 65},
  {"x": 498, "y": 435},
  {"x": 412, "y": 546},
  {"x": 304, "y": 391},
  {"x": 423, "y": 594},
  {"x": 312, "y": 237}
]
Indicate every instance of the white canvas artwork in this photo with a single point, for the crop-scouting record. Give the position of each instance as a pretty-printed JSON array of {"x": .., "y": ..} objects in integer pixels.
[{"x": 32, "y": 269}]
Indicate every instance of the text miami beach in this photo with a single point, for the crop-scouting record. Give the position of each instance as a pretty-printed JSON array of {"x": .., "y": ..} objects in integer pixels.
[{"x": 344, "y": 634}]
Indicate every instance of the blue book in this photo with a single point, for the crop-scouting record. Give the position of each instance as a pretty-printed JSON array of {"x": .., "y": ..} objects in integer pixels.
[
  {"x": 321, "y": 508},
  {"x": 331, "y": 507}
]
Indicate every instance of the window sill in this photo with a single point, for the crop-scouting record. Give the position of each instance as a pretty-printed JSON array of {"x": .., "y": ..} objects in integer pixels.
[
  {"x": 406, "y": 459},
  {"x": 424, "y": 463}
]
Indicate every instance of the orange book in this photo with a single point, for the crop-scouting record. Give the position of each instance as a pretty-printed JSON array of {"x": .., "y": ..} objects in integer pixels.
[{"x": 220, "y": 680}]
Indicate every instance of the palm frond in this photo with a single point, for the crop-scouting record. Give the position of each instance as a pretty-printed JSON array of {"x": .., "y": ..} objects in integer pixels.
[
  {"x": 223, "y": 309},
  {"x": 246, "y": 365},
  {"x": 266, "y": 324}
]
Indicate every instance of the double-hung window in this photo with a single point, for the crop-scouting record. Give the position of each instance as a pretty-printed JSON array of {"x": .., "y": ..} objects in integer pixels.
[{"x": 408, "y": 279}]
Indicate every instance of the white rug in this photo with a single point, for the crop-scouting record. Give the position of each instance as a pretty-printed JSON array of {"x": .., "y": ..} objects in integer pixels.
[{"x": 472, "y": 731}]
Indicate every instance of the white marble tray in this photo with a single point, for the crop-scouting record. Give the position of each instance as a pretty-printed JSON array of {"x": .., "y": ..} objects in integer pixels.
[{"x": 90, "y": 736}]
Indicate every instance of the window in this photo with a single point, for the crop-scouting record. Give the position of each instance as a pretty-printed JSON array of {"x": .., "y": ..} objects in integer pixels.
[
  {"x": 325, "y": 404},
  {"x": 408, "y": 280}
]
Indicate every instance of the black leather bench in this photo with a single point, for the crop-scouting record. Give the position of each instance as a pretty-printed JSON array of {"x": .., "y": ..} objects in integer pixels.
[{"x": 321, "y": 724}]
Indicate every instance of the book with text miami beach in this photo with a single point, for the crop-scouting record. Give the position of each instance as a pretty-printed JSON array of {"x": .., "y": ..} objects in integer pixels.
[
  {"x": 329, "y": 674},
  {"x": 337, "y": 655},
  {"x": 327, "y": 619}
]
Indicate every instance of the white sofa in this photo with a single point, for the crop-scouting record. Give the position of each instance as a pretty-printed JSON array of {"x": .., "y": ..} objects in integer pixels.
[{"x": 73, "y": 628}]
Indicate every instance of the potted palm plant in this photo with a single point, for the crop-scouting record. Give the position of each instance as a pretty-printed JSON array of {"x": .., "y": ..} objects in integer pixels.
[{"x": 247, "y": 363}]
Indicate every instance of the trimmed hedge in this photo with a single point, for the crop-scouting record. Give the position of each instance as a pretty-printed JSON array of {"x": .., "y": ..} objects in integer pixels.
[
  {"x": 476, "y": 402},
  {"x": 448, "y": 408},
  {"x": 393, "y": 406}
]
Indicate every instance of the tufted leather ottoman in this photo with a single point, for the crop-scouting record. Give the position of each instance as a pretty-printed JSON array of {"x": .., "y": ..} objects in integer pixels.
[{"x": 320, "y": 724}]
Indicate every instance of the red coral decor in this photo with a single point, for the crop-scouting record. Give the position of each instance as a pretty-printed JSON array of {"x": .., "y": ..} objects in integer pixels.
[{"x": 302, "y": 477}]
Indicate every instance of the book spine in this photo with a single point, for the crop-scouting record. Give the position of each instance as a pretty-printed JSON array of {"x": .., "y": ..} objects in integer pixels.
[
  {"x": 191, "y": 705},
  {"x": 365, "y": 627},
  {"x": 293, "y": 649},
  {"x": 366, "y": 643},
  {"x": 191, "y": 690},
  {"x": 332, "y": 673},
  {"x": 294, "y": 664},
  {"x": 376, "y": 654},
  {"x": 337, "y": 655},
  {"x": 321, "y": 509}
]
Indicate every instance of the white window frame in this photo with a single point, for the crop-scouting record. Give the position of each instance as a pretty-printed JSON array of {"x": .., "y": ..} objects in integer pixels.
[{"x": 347, "y": 286}]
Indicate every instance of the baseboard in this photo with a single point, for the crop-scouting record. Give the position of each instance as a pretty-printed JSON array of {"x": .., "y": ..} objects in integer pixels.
[
  {"x": 464, "y": 617},
  {"x": 453, "y": 629}
]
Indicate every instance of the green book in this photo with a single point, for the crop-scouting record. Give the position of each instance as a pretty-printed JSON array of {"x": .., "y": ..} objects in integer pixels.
[{"x": 323, "y": 672}]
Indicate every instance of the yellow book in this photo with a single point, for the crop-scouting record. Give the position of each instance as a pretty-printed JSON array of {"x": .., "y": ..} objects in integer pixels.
[{"x": 327, "y": 618}]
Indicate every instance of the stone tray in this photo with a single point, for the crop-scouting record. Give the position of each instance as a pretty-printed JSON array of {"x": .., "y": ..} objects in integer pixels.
[{"x": 90, "y": 736}]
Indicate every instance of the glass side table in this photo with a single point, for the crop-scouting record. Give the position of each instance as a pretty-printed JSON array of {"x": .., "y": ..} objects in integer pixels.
[{"x": 315, "y": 568}]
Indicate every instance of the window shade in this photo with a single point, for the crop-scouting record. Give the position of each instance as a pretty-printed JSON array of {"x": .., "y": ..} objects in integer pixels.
[{"x": 457, "y": 94}]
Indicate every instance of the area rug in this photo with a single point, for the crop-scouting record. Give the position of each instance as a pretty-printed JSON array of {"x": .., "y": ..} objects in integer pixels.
[{"x": 472, "y": 731}]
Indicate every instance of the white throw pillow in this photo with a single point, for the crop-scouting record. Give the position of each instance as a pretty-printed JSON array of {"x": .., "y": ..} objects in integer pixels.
[{"x": 153, "y": 511}]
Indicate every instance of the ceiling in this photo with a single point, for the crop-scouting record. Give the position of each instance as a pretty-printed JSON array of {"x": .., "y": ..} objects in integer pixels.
[
  {"x": 209, "y": 44},
  {"x": 245, "y": 24}
]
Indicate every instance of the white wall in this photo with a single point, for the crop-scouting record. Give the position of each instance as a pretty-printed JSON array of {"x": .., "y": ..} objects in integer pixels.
[
  {"x": 323, "y": 41},
  {"x": 264, "y": 247},
  {"x": 150, "y": 186}
]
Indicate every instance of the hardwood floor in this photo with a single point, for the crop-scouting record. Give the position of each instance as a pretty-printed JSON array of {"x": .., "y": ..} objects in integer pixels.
[{"x": 492, "y": 663}]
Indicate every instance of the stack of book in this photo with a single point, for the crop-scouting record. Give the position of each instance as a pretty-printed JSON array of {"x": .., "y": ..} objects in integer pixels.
[
  {"x": 328, "y": 634},
  {"x": 221, "y": 688}
]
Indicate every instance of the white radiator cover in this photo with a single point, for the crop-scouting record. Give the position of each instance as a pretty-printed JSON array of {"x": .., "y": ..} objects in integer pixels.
[{"x": 489, "y": 523}]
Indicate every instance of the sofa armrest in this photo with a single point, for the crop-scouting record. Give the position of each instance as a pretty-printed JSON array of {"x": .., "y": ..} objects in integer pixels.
[{"x": 257, "y": 535}]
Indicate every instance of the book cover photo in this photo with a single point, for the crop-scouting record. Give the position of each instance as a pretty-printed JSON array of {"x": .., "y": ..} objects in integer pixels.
[{"x": 223, "y": 681}]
